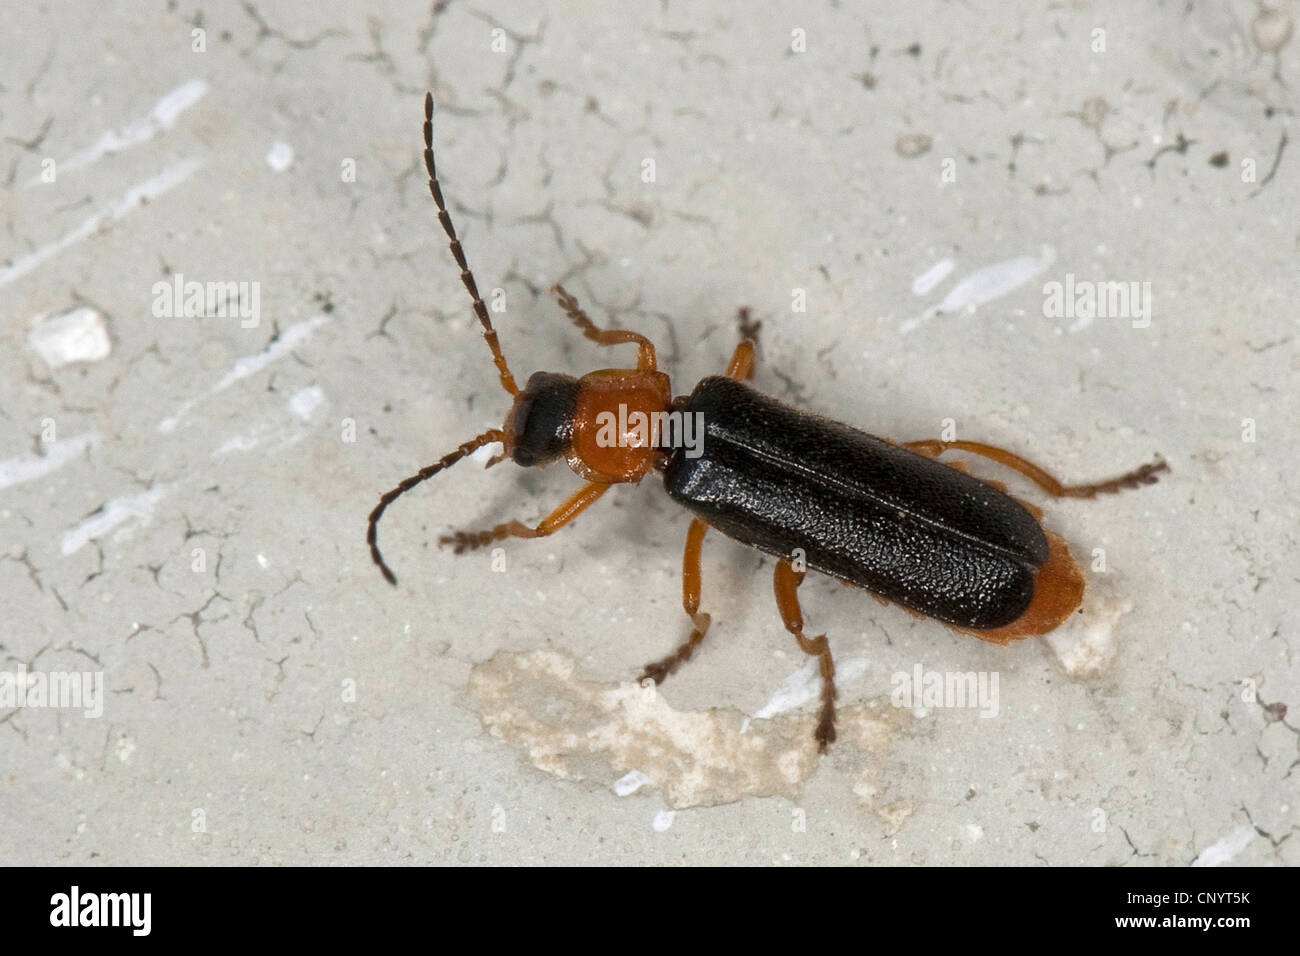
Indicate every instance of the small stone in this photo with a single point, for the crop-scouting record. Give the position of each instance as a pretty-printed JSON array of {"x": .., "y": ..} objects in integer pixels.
[{"x": 911, "y": 145}]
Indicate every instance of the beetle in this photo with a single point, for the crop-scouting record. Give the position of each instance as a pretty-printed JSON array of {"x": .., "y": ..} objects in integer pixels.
[{"x": 886, "y": 517}]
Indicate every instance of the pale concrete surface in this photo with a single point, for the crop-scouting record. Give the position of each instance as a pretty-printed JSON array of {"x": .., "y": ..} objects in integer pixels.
[{"x": 183, "y": 511}]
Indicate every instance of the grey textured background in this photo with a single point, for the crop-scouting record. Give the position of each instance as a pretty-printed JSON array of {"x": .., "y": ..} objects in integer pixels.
[{"x": 491, "y": 714}]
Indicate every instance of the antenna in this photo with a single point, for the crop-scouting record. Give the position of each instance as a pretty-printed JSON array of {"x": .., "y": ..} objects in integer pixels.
[
  {"x": 424, "y": 474},
  {"x": 458, "y": 253}
]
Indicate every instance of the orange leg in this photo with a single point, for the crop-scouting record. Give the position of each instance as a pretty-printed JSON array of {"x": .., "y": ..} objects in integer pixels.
[
  {"x": 645, "y": 356},
  {"x": 786, "y": 583},
  {"x": 1146, "y": 475},
  {"x": 691, "y": 579},
  {"x": 741, "y": 365},
  {"x": 577, "y": 503}
]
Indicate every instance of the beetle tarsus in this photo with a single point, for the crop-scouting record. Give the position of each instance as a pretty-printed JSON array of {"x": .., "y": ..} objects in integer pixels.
[
  {"x": 747, "y": 326},
  {"x": 659, "y": 670},
  {"x": 1147, "y": 474},
  {"x": 645, "y": 348},
  {"x": 825, "y": 733},
  {"x": 785, "y": 585},
  {"x": 462, "y": 541}
]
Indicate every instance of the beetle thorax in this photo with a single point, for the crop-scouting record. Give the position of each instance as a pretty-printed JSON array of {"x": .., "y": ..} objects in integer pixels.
[{"x": 616, "y": 422}]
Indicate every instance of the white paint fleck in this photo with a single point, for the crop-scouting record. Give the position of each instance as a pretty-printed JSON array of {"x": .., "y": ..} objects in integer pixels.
[
  {"x": 306, "y": 400},
  {"x": 302, "y": 404},
  {"x": 991, "y": 282},
  {"x": 15, "y": 471},
  {"x": 162, "y": 117},
  {"x": 805, "y": 684},
  {"x": 263, "y": 562},
  {"x": 630, "y": 783},
  {"x": 931, "y": 277},
  {"x": 984, "y": 285},
  {"x": 1224, "y": 850},
  {"x": 251, "y": 365},
  {"x": 112, "y": 514},
  {"x": 481, "y": 456},
  {"x": 1088, "y": 646},
  {"x": 131, "y": 200},
  {"x": 79, "y": 335},
  {"x": 241, "y": 443},
  {"x": 280, "y": 156},
  {"x": 663, "y": 820}
]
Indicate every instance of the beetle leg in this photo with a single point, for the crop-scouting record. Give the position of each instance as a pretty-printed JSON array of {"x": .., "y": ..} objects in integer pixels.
[
  {"x": 576, "y": 503},
  {"x": 962, "y": 467},
  {"x": 741, "y": 365},
  {"x": 645, "y": 356},
  {"x": 785, "y": 583},
  {"x": 660, "y": 669},
  {"x": 1145, "y": 475}
]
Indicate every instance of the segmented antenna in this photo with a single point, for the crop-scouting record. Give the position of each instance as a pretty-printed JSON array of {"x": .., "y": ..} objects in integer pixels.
[
  {"x": 424, "y": 474},
  {"x": 467, "y": 277}
]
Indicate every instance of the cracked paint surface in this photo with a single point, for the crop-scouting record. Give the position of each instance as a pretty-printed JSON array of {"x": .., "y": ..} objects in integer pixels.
[{"x": 183, "y": 499}]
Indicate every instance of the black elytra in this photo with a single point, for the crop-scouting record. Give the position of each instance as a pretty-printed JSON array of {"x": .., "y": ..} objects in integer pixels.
[{"x": 866, "y": 511}]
